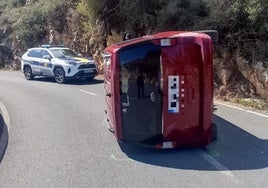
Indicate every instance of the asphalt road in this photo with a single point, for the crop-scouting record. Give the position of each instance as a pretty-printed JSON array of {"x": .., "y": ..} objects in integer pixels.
[{"x": 57, "y": 138}]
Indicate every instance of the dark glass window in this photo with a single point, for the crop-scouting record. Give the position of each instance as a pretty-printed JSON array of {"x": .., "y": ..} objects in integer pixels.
[
  {"x": 45, "y": 52},
  {"x": 145, "y": 51},
  {"x": 140, "y": 98},
  {"x": 35, "y": 53}
]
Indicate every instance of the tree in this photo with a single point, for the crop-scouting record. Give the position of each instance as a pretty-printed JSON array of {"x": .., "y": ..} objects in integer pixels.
[{"x": 181, "y": 14}]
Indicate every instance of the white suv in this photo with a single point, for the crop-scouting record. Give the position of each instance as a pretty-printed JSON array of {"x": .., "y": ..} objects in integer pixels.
[{"x": 58, "y": 62}]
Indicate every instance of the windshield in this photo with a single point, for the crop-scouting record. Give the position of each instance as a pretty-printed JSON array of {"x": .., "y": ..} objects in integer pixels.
[{"x": 63, "y": 53}]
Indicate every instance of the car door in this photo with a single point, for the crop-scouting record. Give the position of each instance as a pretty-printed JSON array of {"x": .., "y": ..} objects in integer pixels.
[
  {"x": 46, "y": 64},
  {"x": 33, "y": 57}
]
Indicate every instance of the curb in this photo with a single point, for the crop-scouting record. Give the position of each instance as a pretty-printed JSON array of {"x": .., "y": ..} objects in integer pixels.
[{"x": 4, "y": 129}]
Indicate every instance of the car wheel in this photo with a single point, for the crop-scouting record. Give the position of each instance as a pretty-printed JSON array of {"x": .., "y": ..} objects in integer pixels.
[
  {"x": 59, "y": 75},
  {"x": 28, "y": 73}
]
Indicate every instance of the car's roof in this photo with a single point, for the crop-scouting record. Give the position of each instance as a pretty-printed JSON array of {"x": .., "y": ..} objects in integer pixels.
[
  {"x": 57, "y": 48},
  {"x": 54, "y": 48},
  {"x": 167, "y": 34}
]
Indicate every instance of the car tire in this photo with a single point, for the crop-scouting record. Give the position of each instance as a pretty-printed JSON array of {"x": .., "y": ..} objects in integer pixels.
[
  {"x": 59, "y": 75},
  {"x": 28, "y": 73}
]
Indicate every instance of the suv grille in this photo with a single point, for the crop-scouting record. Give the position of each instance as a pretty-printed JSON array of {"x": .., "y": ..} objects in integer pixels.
[{"x": 86, "y": 66}]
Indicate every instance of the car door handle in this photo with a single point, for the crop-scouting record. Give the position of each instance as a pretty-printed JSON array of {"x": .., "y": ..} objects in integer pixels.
[{"x": 108, "y": 94}]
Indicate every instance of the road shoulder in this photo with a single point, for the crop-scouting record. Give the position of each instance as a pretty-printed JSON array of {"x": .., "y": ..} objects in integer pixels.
[{"x": 241, "y": 107}]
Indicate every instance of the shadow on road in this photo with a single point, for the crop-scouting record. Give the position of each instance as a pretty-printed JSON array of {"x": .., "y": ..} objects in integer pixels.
[
  {"x": 3, "y": 138},
  {"x": 235, "y": 149}
]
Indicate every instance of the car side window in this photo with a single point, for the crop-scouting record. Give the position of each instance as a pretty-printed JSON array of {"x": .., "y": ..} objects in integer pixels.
[
  {"x": 45, "y": 53},
  {"x": 35, "y": 53}
]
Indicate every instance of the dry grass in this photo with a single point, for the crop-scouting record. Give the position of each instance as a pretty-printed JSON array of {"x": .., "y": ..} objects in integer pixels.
[{"x": 253, "y": 103}]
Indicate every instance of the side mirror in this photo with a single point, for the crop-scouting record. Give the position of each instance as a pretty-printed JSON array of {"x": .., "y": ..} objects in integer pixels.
[{"x": 47, "y": 57}]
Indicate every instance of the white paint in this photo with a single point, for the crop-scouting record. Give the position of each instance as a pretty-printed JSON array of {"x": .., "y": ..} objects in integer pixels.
[
  {"x": 249, "y": 111},
  {"x": 87, "y": 92},
  {"x": 225, "y": 171},
  {"x": 167, "y": 145}
]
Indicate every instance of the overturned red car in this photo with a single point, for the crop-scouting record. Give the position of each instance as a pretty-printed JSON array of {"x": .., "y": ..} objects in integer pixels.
[{"x": 159, "y": 89}]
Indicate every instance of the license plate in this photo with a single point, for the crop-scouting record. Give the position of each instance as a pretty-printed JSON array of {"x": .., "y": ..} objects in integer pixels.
[{"x": 88, "y": 71}]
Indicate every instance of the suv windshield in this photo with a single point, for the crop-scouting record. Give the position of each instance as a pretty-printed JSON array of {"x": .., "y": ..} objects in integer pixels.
[{"x": 63, "y": 53}]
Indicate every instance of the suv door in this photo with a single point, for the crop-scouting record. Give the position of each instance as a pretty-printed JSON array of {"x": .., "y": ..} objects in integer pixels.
[
  {"x": 47, "y": 67},
  {"x": 33, "y": 57}
]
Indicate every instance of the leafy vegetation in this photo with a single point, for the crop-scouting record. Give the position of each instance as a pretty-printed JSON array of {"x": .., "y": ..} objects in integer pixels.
[
  {"x": 238, "y": 21},
  {"x": 35, "y": 21},
  {"x": 242, "y": 24},
  {"x": 229, "y": 16}
]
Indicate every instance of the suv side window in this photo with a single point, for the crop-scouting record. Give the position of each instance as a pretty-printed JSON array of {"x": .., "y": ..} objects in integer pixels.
[
  {"x": 44, "y": 52},
  {"x": 35, "y": 53}
]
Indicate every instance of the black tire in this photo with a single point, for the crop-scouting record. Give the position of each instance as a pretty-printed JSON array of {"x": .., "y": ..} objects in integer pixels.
[
  {"x": 214, "y": 35},
  {"x": 28, "y": 73},
  {"x": 214, "y": 131},
  {"x": 59, "y": 75}
]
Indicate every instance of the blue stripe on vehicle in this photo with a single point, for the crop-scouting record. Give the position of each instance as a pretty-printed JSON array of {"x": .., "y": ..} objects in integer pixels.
[{"x": 49, "y": 65}]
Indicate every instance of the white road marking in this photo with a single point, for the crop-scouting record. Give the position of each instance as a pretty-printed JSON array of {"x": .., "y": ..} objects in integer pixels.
[
  {"x": 5, "y": 115},
  {"x": 225, "y": 171},
  {"x": 234, "y": 107},
  {"x": 87, "y": 92}
]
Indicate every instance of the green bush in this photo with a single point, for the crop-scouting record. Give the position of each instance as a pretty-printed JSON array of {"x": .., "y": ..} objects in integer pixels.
[
  {"x": 31, "y": 27},
  {"x": 55, "y": 13},
  {"x": 16, "y": 3},
  {"x": 38, "y": 18},
  {"x": 3, "y": 4}
]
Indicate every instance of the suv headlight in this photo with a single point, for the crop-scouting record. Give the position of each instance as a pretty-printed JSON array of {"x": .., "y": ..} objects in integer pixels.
[{"x": 73, "y": 63}]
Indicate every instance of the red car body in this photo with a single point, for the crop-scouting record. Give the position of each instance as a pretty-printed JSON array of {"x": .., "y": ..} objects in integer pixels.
[{"x": 159, "y": 89}]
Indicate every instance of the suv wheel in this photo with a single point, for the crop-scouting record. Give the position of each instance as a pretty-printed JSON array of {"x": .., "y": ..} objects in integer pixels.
[
  {"x": 28, "y": 73},
  {"x": 59, "y": 75}
]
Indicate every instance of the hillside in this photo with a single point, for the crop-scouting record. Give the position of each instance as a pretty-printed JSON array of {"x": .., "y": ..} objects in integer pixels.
[{"x": 88, "y": 26}]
